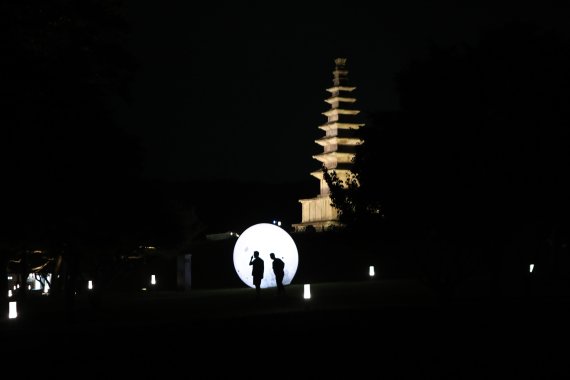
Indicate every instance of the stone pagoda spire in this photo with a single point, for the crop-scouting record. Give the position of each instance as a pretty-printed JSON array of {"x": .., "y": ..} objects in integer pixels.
[{"x": 339, "y": 145}]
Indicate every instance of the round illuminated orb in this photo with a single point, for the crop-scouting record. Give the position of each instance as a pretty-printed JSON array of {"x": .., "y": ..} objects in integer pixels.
[{"x": 265, "y": 238}]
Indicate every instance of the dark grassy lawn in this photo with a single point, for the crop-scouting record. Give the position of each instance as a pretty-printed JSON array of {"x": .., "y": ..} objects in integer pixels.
[{"x": 373, "y": 329}]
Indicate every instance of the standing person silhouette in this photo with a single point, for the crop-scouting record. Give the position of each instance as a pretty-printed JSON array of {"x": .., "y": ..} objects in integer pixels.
[
  {"x": 278, "y": 269},
  {"x": 257, "y": 271}
]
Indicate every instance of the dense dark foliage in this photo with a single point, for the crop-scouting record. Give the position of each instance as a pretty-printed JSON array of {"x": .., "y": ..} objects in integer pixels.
[
  {"x": 477, "y": 157},
  {"x": 72, "y": 179}
]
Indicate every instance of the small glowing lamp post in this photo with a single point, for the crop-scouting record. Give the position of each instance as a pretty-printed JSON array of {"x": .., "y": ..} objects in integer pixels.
[
  {"x": 530, "y": 268},
  {"x": 371, "y": 271},
  {"x": 90, "y": 284},
  {"x": 9, "y": 293},
  {"x": 152, "y": 279},
  {"x": 307, "y": 291},
  {"x": 13, "y": 311}
]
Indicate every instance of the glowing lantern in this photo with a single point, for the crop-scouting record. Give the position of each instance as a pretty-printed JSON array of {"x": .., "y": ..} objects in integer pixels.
[
  {"x": 371, "y": 271},
  {"x": 152, "y": 279},
  {"x": 13, "y": 311},
  {"x": 307, "y": 291}
]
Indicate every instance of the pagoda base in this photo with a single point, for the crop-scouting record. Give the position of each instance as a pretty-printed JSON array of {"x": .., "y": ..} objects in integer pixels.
[{"x": 319, "y": 226}]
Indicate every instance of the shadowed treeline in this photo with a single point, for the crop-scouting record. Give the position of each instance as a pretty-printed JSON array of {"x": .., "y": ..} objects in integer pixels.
[
  {"x": 73, "y": 201},
  {"x": 473, "y": 167}
]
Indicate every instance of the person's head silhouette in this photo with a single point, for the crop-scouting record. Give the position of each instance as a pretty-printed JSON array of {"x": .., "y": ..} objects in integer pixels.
[
  {"x": 256, "y": 254},
  {"x": 272, "y": 255}
]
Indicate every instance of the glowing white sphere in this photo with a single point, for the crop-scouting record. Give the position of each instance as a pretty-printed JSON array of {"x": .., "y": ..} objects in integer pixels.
[{"x": 265, "y": 238}]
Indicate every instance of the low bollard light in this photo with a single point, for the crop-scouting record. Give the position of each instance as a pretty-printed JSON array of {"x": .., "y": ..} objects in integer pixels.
[
  {"x": 13, "y": 311},
  {"x": 307, "y": 291}
]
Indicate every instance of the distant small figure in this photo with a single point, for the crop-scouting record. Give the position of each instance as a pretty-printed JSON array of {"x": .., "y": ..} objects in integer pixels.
[
  {"x": 278, "y": 269},
  {"x": 257, "y": 271}
]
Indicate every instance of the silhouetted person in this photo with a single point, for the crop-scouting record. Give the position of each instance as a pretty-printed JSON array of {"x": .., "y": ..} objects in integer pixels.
[
  {"x": 278, "y": 269},
  {"x": 257, "y": 270}
]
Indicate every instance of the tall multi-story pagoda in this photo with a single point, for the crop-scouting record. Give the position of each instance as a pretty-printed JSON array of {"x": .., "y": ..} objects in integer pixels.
[{"x": 339, "y": 145}]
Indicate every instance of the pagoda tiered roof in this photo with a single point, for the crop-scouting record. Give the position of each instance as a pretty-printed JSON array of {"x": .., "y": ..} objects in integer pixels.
[
  {"x": 340, "y": 172},
  {"x": 334, "y": 99},
  {"x": 340, "y": 88},
  {"x": 334, "y": 156},
  {"x": 337, "y": 140},
  {"x": 337, "y": 125},
  {"x": 340, "y": 111}
]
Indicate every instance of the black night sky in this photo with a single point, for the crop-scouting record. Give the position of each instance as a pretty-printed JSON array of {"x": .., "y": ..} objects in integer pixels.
[{"x": 235, "y": 91}]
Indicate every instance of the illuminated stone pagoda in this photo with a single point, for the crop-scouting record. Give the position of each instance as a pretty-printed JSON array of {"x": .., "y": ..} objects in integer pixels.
[{"x": 339, "y": 145}]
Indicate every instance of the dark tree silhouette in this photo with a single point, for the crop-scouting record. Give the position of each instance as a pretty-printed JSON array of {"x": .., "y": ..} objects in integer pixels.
[
  {"x": 476, "y": 159},
  {"x": 71, "y": 177},
  {"x": 488, "y": 131}
]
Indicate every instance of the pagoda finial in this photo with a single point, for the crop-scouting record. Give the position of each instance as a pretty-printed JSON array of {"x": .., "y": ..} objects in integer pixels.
[
  {"x": 340, "y": 72},
  {"x": 340, "y": 61}
]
